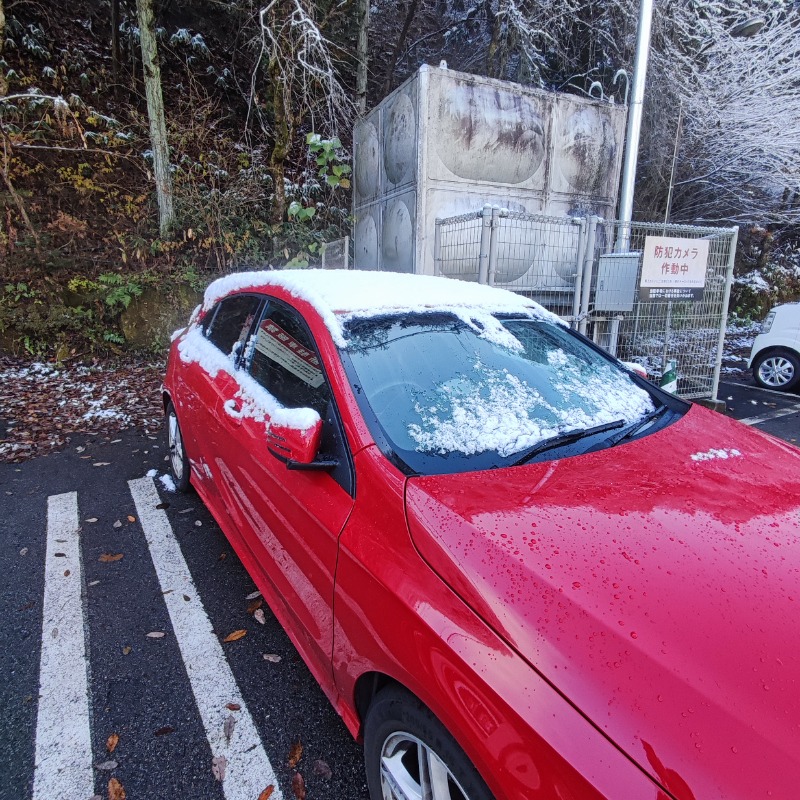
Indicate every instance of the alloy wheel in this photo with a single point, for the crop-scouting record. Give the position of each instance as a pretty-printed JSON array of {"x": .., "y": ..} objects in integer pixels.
[
  {"x": 776, "y": 371},
  {"x": 410, "y": 770},
  {"x": 175, "y": 446}
]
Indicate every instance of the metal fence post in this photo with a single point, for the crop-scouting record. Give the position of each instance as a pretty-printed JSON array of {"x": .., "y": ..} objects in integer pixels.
[
  {"x": 588, "y": 267},
  {"x": 437, "y": 248},
  {"x": 486, "y": 233},
  {"x": 576, "y": 295},
  {"x": 493, "y": 242},
  {"x": 724, "y": 322}
]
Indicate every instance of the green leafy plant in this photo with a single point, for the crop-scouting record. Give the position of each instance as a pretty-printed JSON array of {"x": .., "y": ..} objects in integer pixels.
[{"x": 330, "y": 159}]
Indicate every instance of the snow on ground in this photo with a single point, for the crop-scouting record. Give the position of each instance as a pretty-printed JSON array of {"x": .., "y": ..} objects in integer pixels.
[
  {"x": 43, "y": 405},
  {"x": 738, "y": 342}
]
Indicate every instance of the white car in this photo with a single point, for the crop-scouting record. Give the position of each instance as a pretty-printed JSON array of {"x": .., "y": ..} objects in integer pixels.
[{"x": 775, "y": 357}]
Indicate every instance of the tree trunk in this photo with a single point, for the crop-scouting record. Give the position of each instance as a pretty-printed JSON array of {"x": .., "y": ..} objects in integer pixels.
[
  {"x": 284, "y": 129},
  {"x": 114, "y": 46},
  {"x": 361, "y": 55},
  {"x": 412, "y": 10},
  {"x": 3, "y": 82},
  {"x": 155, "y": 111}
]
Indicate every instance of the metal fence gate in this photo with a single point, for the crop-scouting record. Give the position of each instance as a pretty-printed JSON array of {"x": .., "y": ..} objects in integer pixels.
[{"x": 587, "y": 270}]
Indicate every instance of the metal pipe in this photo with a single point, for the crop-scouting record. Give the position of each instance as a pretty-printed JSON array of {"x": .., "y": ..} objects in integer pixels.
[
  {"x": 495, "y": 223},
  {"x": 437, "y": 248},
  {"x": 613, "y": 335},
  {"x": 576, "y": 295},
  {"x": 588, "y": 266},
  {"x": 634, "y": 122},
  {"x": 486, "y": 232},
  {"x": 725, "y": 300}
]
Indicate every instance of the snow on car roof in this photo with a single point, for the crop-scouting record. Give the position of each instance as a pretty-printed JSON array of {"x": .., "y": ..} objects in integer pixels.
[{"x": 339, "y": 295}]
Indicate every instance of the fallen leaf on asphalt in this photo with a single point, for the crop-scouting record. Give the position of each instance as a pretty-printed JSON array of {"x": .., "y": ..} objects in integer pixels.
[
  {"x": 227, "y": 728},
  {"x": 106, "y": 766},
  {"x": 272, "y": 657},
  {"x": 258, "y": 615},
  {"x": 66, "y": 573},
  {"x": 112, "y": 742},
  {"x": 162, "y": 506},
  {"x": 116, "y": 791},
  {"x": 254, "y": 605},
  {"x": 222, "y": 556},
  {"x": 218, "y": 766},
  {"x": 233, "y": 707},
  {"x": 117, "y": 524},
  {"x": 164, "y": 731},
  {"x": 232, "y": 637},
  {"x": 156, "y": 635},
  {"x": 295, "y": 753},
  {"x": 299, "y": 786},
  {"x": 322, "y": 770},
  {"x": 187, "y": 598},
  {"x": 91, "y": 519},
  {"x": 131, "y": 518},
  {"x": 80, "y": 449},
  {"x": 252, "y": 596},
  {"x": 126, "y": 650},
  {"x": 267, "y": 793},
  {"x": 108, "y": 557}
]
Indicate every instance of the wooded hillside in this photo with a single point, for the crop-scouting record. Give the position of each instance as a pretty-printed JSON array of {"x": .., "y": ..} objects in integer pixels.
[{"x": 258, "y": 104}]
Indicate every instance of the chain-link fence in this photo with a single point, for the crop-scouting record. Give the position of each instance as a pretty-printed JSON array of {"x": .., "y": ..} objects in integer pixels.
[{"x": 588, "y": 271}]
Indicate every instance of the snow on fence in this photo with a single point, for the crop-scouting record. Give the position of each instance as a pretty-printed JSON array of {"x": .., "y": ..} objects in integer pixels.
[{"x": 588, "y": 271}]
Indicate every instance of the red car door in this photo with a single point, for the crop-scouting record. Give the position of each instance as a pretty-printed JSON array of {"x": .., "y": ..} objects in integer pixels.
[
  {"x": 199, "y": 390},
  {"x": 291, "y": 519}
]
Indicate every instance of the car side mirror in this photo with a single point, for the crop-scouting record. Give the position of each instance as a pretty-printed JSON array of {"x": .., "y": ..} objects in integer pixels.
[{"x": 298, "y": 447}]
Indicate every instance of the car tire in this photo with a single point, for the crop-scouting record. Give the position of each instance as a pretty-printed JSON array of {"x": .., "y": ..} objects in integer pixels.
[
  {"x": 777, "y": 369},
  {"x": 178, "y": 461},
  {"x": 400, "y": 735}
]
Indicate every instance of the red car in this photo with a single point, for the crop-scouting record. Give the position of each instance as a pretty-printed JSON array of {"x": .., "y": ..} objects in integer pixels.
[{"x": 517, "y": 569}]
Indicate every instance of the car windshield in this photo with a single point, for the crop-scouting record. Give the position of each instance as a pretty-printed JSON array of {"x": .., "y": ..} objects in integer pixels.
[{"x": 448, "y": 395}]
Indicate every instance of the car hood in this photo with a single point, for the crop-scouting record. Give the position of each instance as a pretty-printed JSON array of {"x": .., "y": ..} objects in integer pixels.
[{"x": 655, "y": 584}]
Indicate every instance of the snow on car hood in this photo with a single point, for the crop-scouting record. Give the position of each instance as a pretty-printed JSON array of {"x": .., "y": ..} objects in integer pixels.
[{"x": 655, "y": 584}]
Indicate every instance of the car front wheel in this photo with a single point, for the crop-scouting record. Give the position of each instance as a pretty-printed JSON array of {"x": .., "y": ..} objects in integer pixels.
[
  {"x": 777, "y": 369},
  {"x": 178, "y": 461},
  {"x": 411, "y": 756}
]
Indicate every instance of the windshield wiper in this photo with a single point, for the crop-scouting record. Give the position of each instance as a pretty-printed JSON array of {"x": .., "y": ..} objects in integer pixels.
[
  {"x": 632, "y": 430},
  {"x": 567, "y": 438}
]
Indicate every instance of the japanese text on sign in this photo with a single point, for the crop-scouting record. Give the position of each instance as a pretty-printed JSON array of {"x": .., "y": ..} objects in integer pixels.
[
  {"x": 673, "y": 269},
  {"x": 275, "y": 343}
]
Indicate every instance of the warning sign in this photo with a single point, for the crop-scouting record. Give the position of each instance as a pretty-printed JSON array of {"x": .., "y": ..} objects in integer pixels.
[
  {"x": 673, "y": 269},
  {"x": 279, "y": 346}
]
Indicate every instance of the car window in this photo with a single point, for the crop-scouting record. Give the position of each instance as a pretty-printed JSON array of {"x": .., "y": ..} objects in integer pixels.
[
  {"x": 285, "y": 361},
  {"x": 447, "y": 396},
  {"x": 230, "y": 322}
]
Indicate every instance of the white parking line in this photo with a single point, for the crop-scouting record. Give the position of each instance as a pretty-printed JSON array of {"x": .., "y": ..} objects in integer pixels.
[
  {"x": 248, "y": 770},
  {"x": 63, "y": 739},
  {"x": 781, "y": 412}
]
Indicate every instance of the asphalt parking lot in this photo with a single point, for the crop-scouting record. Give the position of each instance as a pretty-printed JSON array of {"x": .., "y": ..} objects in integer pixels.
[
  {"x": 145, "y": 720},
  {"x": 777, "y": 413}
]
